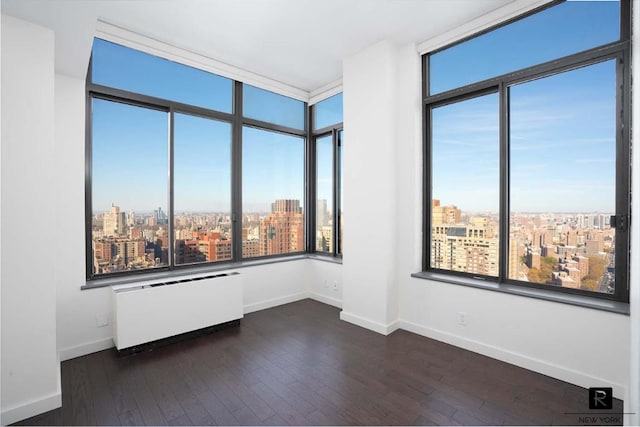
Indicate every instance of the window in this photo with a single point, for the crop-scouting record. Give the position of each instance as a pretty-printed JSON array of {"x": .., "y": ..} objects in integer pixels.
[
  {"x": 564, "y": 29},
  {"x": 328, "y": 112},
  {"x": 201, "y": 190},
  {"x": 186, "y": 168},
  {"x": 269, "y": 107},
  {"x": 119, "y": 67},
  {"x": 129, "y": 228},
  {"x": 327, "y": 122},
  {"x": 272, "y": 196},
  {"x": 465, "y": 198},
  {"x": 527, "y": 153},
  {"x": 324, "y": 194}
]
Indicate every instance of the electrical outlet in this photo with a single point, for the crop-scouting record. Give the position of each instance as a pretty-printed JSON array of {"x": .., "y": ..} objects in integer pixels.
[
  {"x": 462, "y": 318},
  {"x": 334, "y": 285},
  {"x": 102, "y": 320}
]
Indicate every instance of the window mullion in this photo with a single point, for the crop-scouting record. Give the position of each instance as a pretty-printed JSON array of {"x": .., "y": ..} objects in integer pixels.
[
  {"x": 334, "y": 195},
  {"x": 236, "y": 174},
  {"x": 504, "y": 241},
  {"x": 171, "y": 224},
  {"x": 623, "y": 183},
  {"x": 310, "y": 183}
]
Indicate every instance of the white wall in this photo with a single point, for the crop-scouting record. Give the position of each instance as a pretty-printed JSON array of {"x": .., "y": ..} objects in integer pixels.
[
  {"x": 274, "y": 284},
  {"x": 30, "y": 368},
  {"x": 579, "y": 345},
  {"x": 324, "y": 282},
  {"x": 77, "y": 328},
  {"x": 370, "y": 294}
]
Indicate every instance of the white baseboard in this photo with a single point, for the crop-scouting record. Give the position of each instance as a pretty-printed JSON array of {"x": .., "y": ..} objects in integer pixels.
[
  {"x": 274, "y": 302},
  {"x": 33, "y": 407},
  {"x": 84, "y": 349},
  {"x": 370, "y": 324},
  {"x": 325, "y": 299},
  {"x": 562, "y": 373}
]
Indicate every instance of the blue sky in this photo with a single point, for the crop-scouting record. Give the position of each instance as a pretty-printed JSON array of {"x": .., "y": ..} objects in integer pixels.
[
  {"x": 324, "y": 170},
  {"x": 130, "y": 144},
  {"x": 129, "y": 151},
  {"x": 138, "y": 72},
  {"x": 567, "y": 28},
  {"x": 562, "y": 128},
  {"x": 130, "y": 162},
  {"x": 272, "y": 168},
  {"x": 562, "y": 133},
  {"x": 202, "y": 165}
]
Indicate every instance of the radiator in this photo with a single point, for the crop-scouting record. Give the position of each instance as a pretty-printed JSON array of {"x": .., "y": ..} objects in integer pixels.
[{"x": 148, "y": 312}]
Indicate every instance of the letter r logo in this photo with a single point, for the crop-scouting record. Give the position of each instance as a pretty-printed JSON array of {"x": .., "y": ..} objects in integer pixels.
[{"x": 600, "y": 398}]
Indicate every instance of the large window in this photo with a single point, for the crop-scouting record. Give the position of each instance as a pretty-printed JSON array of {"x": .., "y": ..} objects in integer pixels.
[
  {"x": 527, "y": 153},
  {"x": 129, "y": 227},
  {"x": 115, "y": 66},
  {"x": 466, "y": 241},
  {"x": 327, "y": 125},
  {"x": 272, "y": 193},
  {"x": 188, "y": 168},
  {"x": 201, "y": 189}
]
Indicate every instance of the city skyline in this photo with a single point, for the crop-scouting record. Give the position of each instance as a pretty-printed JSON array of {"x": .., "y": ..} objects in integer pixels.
[
  {"x": 574, "y": 250},
  {"x": 124, "y": 241}
]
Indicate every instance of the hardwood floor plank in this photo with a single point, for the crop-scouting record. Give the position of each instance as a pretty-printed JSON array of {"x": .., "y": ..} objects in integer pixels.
[
  {"x": 131, "y": 418},
  {"x": 299, "y": 364}
]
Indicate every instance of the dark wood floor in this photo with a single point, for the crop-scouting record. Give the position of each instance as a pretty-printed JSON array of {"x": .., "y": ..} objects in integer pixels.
[{"x": 298, "y": 364}]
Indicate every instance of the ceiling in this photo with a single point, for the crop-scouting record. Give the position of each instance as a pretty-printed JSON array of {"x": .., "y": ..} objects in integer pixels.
[{"x": 301, "y": 43}]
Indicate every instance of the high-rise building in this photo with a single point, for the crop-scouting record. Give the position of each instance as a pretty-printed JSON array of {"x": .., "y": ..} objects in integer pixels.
[
  {"x": 282, "y": 231},
  {"x": 250, "y": 248},
  {"x": 444, "y": 214},
  {"x": 324, "y": 241},
  {"x": 472, "y": 248},
  {"x": 114, "y": 254},
  {"x": 202, "y": 247},
  {"x": 514, "y": 259},
  {"x": 322, "y": 215},
  {"x": 114, "y": 222},
  {"x": 160, "y": 216}
]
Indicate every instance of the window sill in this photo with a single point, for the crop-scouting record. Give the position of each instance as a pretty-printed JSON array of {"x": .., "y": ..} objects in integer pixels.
[
  {"x": 160, "y": 276},
  {"x": 326, "y": 258},
  {"x": 578, "y": 300},
  {"x": 153, "y": 277}
]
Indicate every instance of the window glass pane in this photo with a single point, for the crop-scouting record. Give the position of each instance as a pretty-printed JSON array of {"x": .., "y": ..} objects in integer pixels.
[
  {"x": 270, "y": 107},
  {"x": 558, "y": 31},
  {"x": 465, "y": 183},
  {"x": 129, "y": 187},
  {"x": 131, "y": 70},
  {"x": 563, "y": 170},
  {"x": 324, "y": 194},
  {"x": 202, "y": 189},
  {"x": 328, "y": 112},
  {"x": 272, "y": 193}
]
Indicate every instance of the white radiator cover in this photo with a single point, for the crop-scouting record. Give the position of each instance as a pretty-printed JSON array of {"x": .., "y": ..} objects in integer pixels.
[{"x": 148, "y": 312}]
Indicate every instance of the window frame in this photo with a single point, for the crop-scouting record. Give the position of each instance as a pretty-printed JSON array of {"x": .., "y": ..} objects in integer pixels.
[
  {"x": 620, "y": 51},
  {"x": 335, "y": 131},
  {"x": 237, "y": 122}
]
